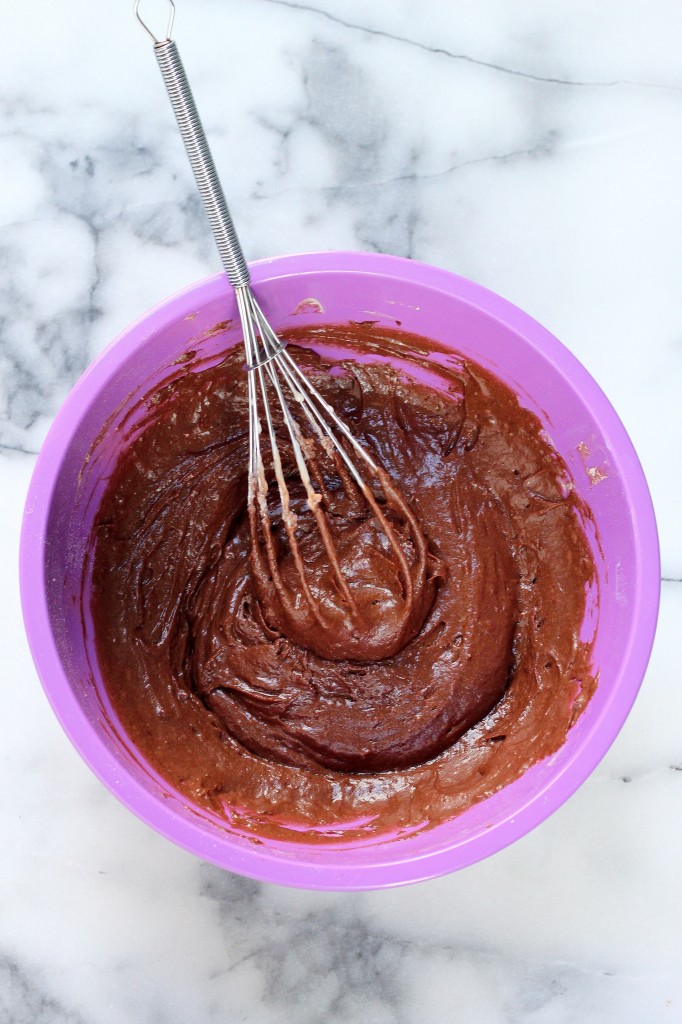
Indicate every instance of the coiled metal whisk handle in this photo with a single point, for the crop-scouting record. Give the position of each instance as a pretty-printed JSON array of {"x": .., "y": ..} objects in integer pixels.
[{"x": 199, "y": 154}]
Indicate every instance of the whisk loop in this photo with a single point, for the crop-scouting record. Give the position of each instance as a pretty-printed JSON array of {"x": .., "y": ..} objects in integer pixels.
[{"x": 145, "y": 26}]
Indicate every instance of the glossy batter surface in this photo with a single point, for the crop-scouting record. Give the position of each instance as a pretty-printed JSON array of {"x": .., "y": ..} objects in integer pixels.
[{"x": 238, "y": 708}]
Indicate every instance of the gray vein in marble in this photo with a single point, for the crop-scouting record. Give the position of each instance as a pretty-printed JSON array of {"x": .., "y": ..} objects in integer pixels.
[
  {"x": 17, "y": 449},
  {"x": 468, "y": 59},
  {"x": 330, "y": 953},
  {"x": 358, "y": 135},
  {"x": 45, "y": 343},
  {"x": 543, "y": 148},
  {"x": 334, "y": 965},
  {"x": 359, "y": 151},
  {"x": 38, "y": 351},
  {"x": 552, "y": 983},
  {"x": 24, "y": 1001},
  {"x": 369, "y": 157},
  {"x": 640, "y": 776}
]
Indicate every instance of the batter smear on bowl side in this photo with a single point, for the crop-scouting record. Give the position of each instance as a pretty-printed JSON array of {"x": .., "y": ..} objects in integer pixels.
[{"x": 249, "y": 719}]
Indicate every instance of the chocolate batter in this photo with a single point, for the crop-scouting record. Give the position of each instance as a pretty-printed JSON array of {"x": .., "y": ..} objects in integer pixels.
[
  {"x": 459, "y": 672},
  {"x": 342, "y": 574}
]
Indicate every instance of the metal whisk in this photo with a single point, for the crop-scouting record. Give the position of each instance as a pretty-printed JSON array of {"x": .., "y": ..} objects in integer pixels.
[{"x": 273, "y": 372}]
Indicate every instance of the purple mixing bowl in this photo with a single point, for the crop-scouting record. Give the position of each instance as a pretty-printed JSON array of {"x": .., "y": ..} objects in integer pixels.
[{"x": 583, "y": 426}]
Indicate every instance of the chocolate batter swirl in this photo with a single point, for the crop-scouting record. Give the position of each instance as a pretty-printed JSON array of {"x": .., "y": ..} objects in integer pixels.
[
  {"x": 252, "y": 711},
  {"x": 355, "y": 585}
]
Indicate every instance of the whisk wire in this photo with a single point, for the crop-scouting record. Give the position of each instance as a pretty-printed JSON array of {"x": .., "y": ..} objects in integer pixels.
[
  {"x": 258, "y": 486},
  {"x": 287, "y": 363}
]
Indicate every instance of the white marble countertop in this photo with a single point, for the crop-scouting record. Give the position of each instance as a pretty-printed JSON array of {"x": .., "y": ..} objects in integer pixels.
[{"x": 536, "y": 148}]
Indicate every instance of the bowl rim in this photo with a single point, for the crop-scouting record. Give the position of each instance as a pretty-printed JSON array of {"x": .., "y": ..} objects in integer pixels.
[{"x": 259, "y": 863}]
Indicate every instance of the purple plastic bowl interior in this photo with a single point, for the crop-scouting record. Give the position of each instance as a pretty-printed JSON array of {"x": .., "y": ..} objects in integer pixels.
[{"x": 344, "y": 286}]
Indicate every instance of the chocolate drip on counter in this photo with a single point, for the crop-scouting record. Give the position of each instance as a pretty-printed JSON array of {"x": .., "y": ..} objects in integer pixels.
[{"x": 437, "y": 701}]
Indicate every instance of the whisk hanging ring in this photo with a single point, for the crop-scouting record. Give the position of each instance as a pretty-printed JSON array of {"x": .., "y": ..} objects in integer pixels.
[{"x": 145, "y": 26}]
